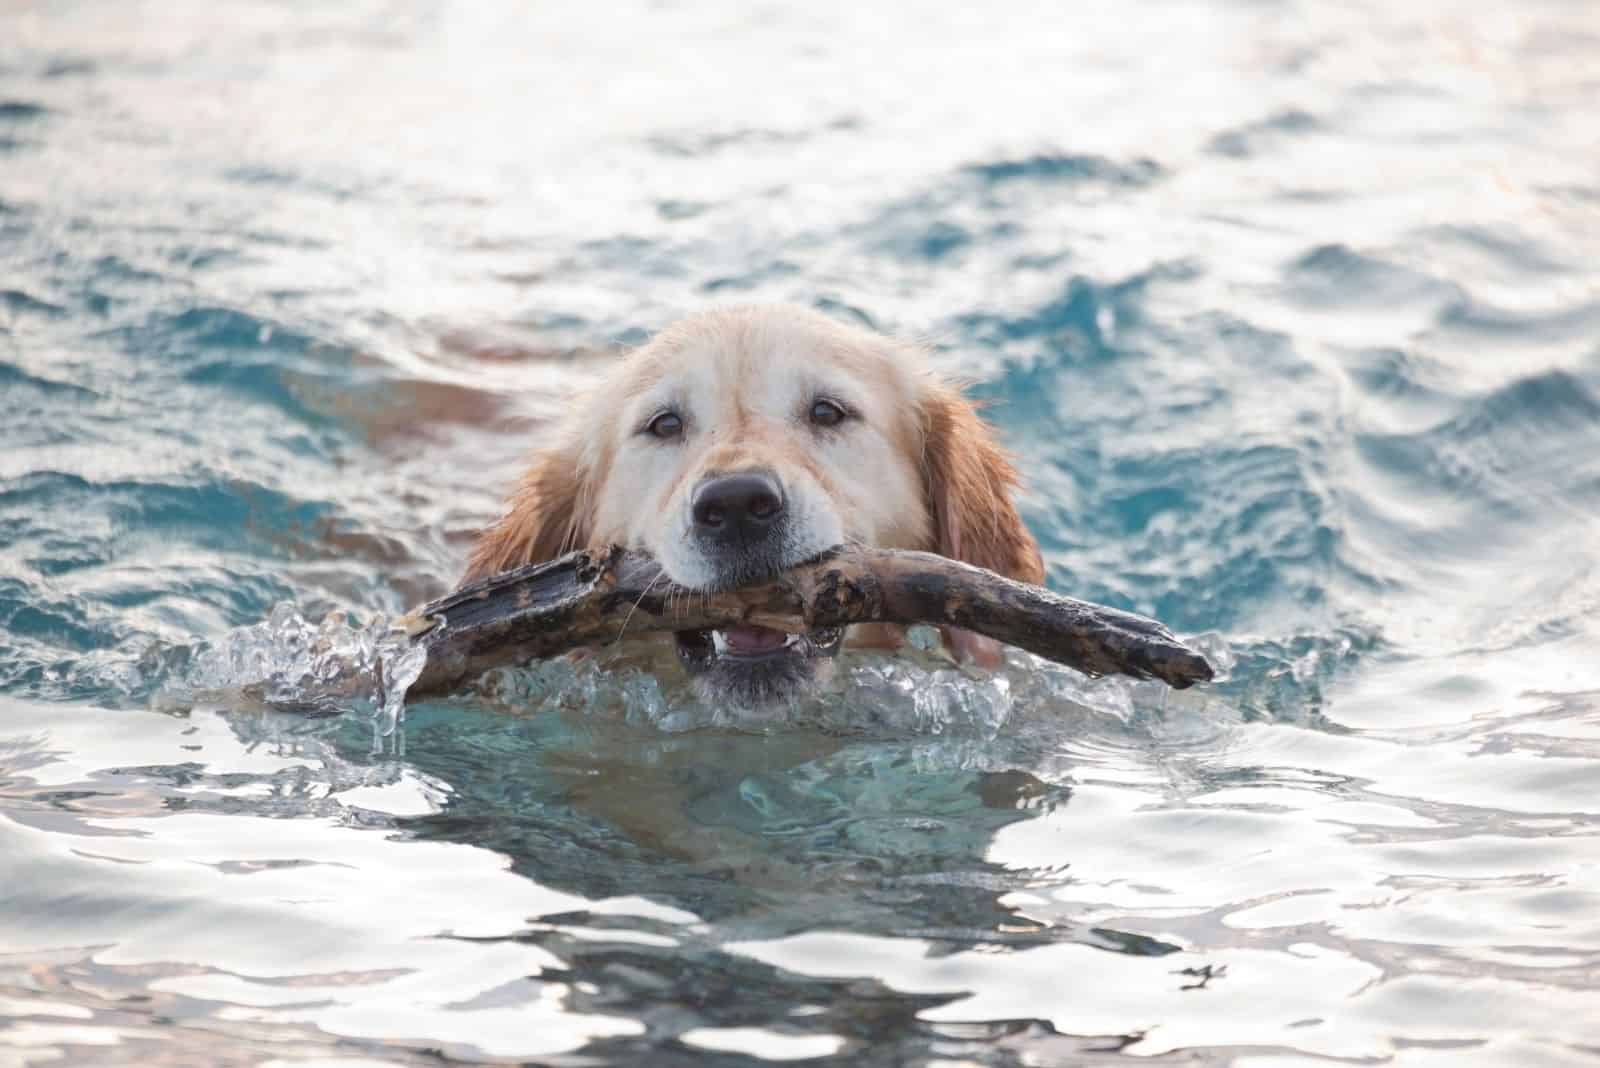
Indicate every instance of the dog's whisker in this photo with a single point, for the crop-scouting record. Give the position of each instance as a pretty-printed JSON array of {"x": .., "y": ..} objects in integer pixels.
[{"x": 639, "y": 600}]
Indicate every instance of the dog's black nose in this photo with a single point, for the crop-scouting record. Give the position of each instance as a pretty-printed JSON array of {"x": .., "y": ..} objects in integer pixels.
[{"x": 743, "y": 506}]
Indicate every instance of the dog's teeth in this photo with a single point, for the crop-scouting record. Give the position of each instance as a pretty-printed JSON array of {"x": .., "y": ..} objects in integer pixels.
[
  {"x": 790, "y": 639},
  {"x": 720, "y": 641}
]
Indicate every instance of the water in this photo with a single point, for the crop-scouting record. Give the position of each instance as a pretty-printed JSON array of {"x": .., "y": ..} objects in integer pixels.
[{"x": 1290, "y": 311}]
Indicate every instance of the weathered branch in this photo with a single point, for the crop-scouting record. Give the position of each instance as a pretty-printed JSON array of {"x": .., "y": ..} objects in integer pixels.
[{"x": 586, "y": 599}]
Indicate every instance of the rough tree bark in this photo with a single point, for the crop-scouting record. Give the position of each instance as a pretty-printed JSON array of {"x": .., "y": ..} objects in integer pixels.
[{"x": 589, "y": 598}]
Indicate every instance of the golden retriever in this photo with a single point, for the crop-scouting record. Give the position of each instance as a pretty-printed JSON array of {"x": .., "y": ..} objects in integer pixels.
[{"x": 740, "y": 442}]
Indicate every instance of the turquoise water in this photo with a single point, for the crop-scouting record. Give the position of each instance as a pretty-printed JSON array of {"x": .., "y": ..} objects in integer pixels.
[{"x": 1290, "y": 311}]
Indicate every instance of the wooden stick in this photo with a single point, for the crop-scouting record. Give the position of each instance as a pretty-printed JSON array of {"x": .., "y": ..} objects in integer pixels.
[{"x": 595, "y": 598}]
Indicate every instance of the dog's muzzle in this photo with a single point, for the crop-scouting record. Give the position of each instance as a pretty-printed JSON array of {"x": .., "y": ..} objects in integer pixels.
[{"x": 741, "y": 527}]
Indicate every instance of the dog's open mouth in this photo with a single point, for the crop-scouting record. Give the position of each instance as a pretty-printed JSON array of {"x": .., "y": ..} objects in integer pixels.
[{"x": 752, "y": 664}]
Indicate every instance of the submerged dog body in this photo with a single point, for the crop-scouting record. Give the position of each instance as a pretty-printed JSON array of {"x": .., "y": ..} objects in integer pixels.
[{"x": 738, "y": 443}]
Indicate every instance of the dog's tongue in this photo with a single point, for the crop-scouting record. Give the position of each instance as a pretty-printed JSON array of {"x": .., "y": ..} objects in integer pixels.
[{"x": 748, "y": 639}]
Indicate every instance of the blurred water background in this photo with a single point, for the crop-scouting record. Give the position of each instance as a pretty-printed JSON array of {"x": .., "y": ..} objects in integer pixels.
[{"x": 1290, "y": 310}]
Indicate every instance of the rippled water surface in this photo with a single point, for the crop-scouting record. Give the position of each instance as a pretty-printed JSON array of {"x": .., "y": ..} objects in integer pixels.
[{"x": 1290, "y": 310}]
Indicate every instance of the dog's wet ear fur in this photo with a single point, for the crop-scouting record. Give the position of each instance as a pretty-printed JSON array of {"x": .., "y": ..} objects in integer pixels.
[
  {"x": 546, "y": 516},
  {"x": 969, "y": 480}
]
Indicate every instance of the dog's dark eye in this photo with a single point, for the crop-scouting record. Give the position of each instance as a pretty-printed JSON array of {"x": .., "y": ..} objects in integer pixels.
[
  {"x": 665, "y": 425},
  {"x": 827, "y": 413}
]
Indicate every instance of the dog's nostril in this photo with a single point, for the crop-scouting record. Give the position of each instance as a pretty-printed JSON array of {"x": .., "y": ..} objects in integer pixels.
[
  {"x": 765, "y": 505},
  {"x": 752, "y": 499}
]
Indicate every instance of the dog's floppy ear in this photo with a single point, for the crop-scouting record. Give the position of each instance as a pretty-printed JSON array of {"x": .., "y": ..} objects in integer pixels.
[
  {"x": 969, "y": 481},
  {"x": 545, "y": 517}
]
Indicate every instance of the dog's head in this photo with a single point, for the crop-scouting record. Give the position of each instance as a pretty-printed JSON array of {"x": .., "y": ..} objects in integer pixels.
[{"x": 739, "y": 443}]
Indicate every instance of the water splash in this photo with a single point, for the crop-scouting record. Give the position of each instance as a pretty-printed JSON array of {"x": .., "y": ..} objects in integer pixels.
[
  {"x": 916, "y": 692},
  {"x": 288, "y": 663}
]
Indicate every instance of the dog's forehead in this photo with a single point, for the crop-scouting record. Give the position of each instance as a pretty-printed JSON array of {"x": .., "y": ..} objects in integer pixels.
[{"x": 765, "y": 361}]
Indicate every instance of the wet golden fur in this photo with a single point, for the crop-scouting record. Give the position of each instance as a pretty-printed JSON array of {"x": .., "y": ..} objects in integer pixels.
[{"x": 916, "y": 469}]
